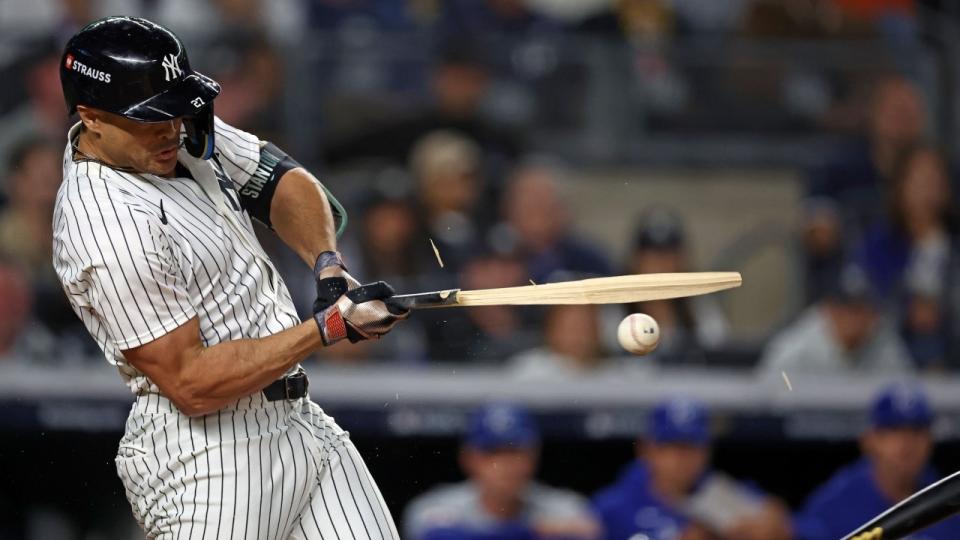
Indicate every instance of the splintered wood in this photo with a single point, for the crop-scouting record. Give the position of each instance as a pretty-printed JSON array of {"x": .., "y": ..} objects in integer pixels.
[
  {"x": 606, "y": 290},
  {"x": 436, "y": 252},
  {"x": 786, "y": 380}
]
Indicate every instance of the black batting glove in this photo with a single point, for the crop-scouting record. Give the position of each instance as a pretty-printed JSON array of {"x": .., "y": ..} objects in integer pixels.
[{"x": 356, "y": 314}]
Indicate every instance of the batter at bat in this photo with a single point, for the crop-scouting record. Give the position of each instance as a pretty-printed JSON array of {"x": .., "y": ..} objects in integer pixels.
[{"x": 155, "y": 248}]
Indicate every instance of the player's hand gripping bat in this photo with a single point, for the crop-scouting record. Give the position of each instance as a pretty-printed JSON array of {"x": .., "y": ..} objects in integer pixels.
[
  {"x": 922, "y": 509},
  {"x": 605, "y": 290}
]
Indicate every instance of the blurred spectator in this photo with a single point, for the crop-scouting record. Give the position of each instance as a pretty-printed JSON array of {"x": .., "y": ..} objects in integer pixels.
[
  {"x": 842, "y": 333},
  {"x": 449, "y": 183},
  {"x": 283, "y": 21},
  {"x": 459, "y": 82},
  {"x": 391, "y": 244},
  {"x": 804, "y": 19},
  {"x": 911, "y": 242},
  {"x": 907, "y": 253},
  {"x": 539, "y": 220},
  {"x": 499, "y": 500},
  {"x": 43, "y": 112},
  {"x": 15, "y": 315},
  {"x": 250, "y": 71},
  {"x": 390, "y": 247},
  {"x": 687, "y": 325},
  {"x": 488, "y": 334},
  {"x": 479, "y": 19},
  {"x": 896, "y": 451},
  {"x": 22, "y": 338},
  {"x": 391, "y": 15},
  {"x": 60, "y": 18},
  {"x": 26, "y": 226},
  {"x": 847, "y": 191},
  {"x": 670, "y": 491},
  {"x": 26, "y": 229},
  {"x": 894, "y": 19},
  {"x": 572, "y": 346}
]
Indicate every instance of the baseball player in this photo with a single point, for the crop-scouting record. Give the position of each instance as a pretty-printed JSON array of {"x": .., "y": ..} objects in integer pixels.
[
  {"x": 500, "y": 500},
  {"x": 155, "y": 248},
  {"x": 672, "y": 493},
  {"x": 896, "y": 451}
]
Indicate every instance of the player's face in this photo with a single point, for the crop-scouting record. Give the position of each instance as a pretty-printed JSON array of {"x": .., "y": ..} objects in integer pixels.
[
  {"x": 901, "y": 453},
  {"x": 676, "y": 467},
  {"x": 149, "y": 147},
  {"x": 502, "y": 473}
]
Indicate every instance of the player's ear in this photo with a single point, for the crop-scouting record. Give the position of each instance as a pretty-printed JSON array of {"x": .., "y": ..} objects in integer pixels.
[{"x": 89, "y": 117}]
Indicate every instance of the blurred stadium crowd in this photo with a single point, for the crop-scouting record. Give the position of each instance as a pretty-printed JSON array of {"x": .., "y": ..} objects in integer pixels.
[
  {"x": 452, "y": 146},
  {"x": 464, "y": 123}
]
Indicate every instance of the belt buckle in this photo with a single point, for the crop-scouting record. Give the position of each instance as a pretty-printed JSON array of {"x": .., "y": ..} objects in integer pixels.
[{"x": 289, "y": 390}]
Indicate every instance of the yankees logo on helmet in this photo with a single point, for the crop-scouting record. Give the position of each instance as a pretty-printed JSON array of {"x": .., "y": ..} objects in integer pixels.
[{"x": 171, "y": 67}]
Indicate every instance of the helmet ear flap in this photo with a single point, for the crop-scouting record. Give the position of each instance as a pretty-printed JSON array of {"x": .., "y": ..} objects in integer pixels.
[{"x": 199, "y": 128}]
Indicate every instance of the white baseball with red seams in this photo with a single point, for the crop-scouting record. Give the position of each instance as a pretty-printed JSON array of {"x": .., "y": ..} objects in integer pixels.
[{"x": 638, "y": 333}]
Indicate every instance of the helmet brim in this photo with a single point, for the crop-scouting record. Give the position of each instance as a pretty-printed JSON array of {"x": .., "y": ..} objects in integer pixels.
[{"x": 193, "y": 93}]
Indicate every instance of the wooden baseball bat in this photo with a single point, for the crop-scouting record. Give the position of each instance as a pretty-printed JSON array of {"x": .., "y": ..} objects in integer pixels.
[
  {"x": 605, "y": 290},
  {"x": 934, "y": 503}
]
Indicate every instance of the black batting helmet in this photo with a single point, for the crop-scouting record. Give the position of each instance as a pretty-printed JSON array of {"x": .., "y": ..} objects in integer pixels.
[{"x": 139, "y": 69}]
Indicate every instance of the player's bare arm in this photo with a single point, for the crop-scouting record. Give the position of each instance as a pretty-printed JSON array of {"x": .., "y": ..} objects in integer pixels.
[
  {"x": 301, "y": 215},
  {"x": 200, "y": 380}
]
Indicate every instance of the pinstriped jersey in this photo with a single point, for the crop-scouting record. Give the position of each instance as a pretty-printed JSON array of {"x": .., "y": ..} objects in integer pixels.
[{"x": 139, "y": 255}]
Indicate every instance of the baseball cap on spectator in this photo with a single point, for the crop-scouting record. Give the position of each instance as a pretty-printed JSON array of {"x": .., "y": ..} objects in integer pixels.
[
  {"x": 502, "y": 425},
  {"x": 901, "y": 405},
  {"x": 851, "y": 286},
  {"x": 659, "y": 228},
  {"x": 679, "y": 419}
]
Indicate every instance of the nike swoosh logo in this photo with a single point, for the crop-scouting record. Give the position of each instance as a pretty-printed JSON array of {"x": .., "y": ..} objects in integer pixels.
[{"x": 163, "y": 215}]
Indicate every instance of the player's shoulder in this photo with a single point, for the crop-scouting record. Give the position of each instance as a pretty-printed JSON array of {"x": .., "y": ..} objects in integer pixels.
[
  {"x": 629, "y": 485},
  {"x": 228, "y": 136},
  {"x": 90, "y": 191},
  {"x": 849, "y": 480},
  {"x": 445, "y": 496},
  {"x": 557, "y": 500},
  {"x": 441, "y": 506},
  {"x": 90, "y": 178}
]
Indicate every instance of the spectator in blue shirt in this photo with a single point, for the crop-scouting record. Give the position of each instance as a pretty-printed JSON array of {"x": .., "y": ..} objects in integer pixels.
[
  {"x": 670, "y": 492},
  {"x": 500, "y": 500},
  {"x": 896, "y": 449}
]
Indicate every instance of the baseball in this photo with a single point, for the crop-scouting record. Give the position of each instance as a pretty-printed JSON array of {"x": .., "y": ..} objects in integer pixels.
[{"x": 638, "y": 333}]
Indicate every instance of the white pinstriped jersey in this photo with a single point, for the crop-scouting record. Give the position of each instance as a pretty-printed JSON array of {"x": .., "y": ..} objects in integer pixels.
[{"x": 139, "y": 255}]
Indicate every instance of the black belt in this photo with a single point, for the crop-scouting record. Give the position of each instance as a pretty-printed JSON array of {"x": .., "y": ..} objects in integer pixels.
[{"x": 292, "y": 387}]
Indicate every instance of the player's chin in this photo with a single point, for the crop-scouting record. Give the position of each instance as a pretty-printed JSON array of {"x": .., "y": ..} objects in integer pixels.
[{"x": 161, "y": 165}]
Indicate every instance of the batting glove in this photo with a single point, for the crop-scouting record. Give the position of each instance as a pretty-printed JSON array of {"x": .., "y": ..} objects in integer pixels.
[{"x": 357, "y": 314}]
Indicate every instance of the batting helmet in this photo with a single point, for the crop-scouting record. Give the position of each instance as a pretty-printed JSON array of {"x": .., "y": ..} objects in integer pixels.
[{"x": 139, "y": 69}]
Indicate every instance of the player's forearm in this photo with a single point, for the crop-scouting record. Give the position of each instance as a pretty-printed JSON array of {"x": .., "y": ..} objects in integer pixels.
[
  {"x": 213, "y": 377},
  {"x": 301, "y": 215}
]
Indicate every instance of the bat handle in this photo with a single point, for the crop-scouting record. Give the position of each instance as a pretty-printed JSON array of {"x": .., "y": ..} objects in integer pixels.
[{"x": 424, "y": 300}]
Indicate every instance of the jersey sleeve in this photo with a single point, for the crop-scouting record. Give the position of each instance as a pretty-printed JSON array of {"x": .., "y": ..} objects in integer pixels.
[
  {"x": 239, "y": 151},
  {"x": 141, "y": 277}
]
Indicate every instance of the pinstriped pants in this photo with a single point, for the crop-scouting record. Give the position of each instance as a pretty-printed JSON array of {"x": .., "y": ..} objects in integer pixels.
[{"x": 254, "y": 470}]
